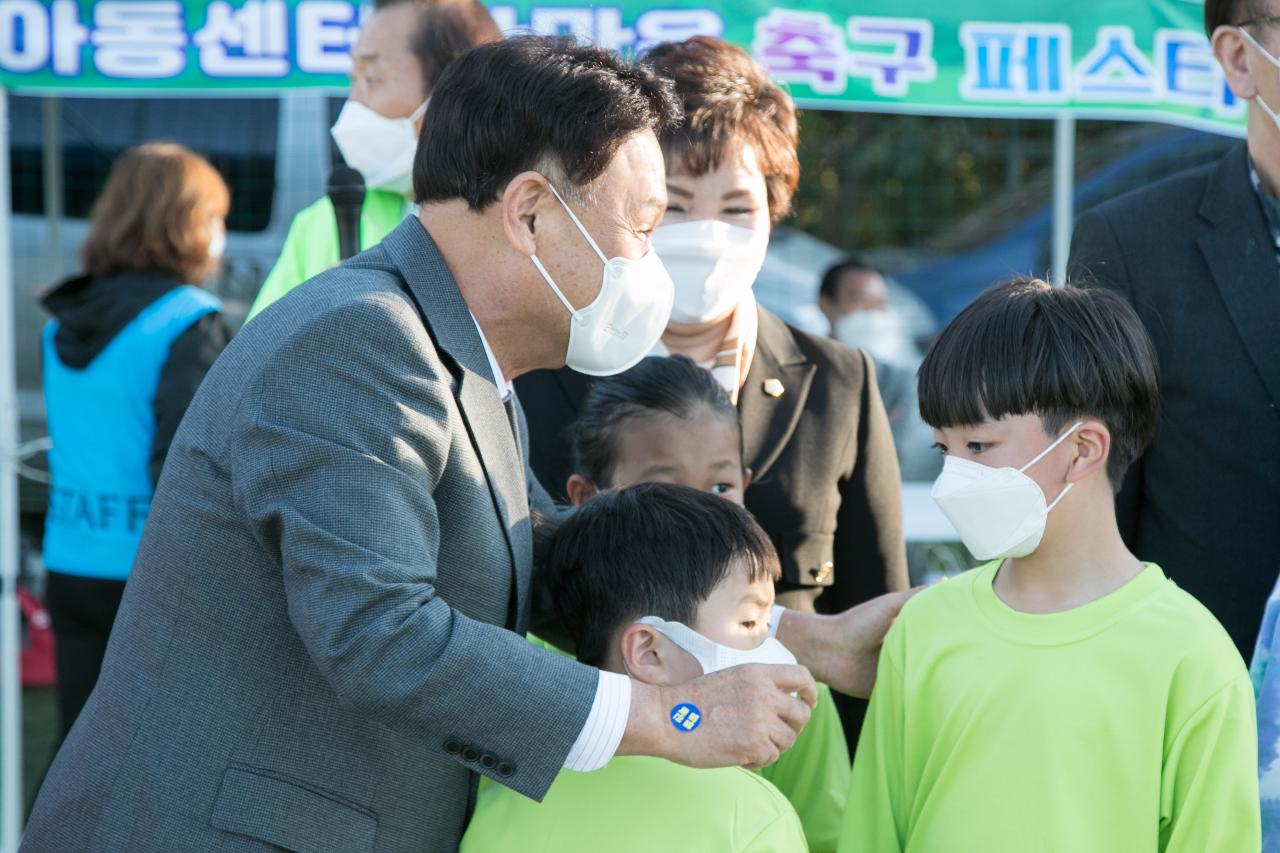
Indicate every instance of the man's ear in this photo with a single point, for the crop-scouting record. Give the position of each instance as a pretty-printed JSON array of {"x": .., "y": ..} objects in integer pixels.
[
  {"x": 523, "y": 202},
  {"x": 1092, "y": 443},
  {"x": 1232, "y": 51},
  {"x": 644, "y": 653},
  {"x": 579, "y": 489}
]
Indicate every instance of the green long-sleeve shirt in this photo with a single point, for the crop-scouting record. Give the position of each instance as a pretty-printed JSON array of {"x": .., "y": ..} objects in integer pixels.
[
  {"x": 311, "y": 246},
  {"x": 1122, "y": 726}
]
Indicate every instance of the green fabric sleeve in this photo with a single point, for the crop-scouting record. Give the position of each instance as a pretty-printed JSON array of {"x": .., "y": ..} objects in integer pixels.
[
  {"x": 292, "y": 267},
  {"x": 876, "y": 818},
  {"x": 814, "y": 775},
  {"x": 782, "y": 835},
  {"x": 1209, "y": 792}
]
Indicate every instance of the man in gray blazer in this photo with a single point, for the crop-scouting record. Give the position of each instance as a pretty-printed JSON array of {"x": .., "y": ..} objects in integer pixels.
[{"x": 321, "y": 645}]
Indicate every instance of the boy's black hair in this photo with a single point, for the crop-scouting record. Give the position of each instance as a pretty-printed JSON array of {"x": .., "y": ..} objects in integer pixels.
[
  {"x": 849, "y": 263},
  {"x": 674, "y": 386},
  {"x": 1026, "y": 347},
  {"x": 650, "y": 550}
]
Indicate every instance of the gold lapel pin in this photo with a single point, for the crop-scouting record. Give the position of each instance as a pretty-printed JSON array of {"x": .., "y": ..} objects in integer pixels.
[{"x": 773, "y": 388}]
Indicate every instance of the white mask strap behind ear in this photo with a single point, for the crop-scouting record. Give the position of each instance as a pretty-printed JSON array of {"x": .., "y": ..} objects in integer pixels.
[
  {"x": 578, "y": 222},
  {"x": 1272, "y": 114}
]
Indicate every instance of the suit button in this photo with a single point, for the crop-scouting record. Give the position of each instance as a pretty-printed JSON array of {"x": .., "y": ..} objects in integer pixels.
[
  {"x": 506, "y": 769},
  {"x": 452, "y": 746},
  {"x": 488, "y": 761},
  {"x": 470, "y": 754}
]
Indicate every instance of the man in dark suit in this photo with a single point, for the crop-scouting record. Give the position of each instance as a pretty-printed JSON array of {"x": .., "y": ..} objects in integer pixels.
[
  {"x": 1198, "y": 255},
  {"x": 320, "y": 648}
]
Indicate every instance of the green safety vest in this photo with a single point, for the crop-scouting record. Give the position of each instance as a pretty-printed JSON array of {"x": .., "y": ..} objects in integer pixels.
[{"x": 311, "y": 246}]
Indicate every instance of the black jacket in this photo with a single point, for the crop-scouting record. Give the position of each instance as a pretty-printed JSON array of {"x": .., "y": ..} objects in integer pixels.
[
  {"x": 91, "y": 312},
  {"x": 825, "y": 483},
  {"x": 1194, "y": 256}
]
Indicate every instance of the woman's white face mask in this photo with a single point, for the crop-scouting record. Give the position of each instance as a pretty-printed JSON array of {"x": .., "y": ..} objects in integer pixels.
[{"x": 713, "y": 265}]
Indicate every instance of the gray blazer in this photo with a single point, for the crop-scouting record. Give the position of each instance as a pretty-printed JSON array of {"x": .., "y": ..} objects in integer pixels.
[{"x": 321, "y": 646}]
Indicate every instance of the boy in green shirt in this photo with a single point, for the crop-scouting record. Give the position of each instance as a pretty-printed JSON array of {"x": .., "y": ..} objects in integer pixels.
[
  {"x": 1064, "y": 696},
  {"x": 668, "y": 420},
  {"x": 663, "y": 583}
]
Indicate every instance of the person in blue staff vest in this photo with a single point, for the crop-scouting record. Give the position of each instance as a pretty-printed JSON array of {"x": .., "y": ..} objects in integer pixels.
[{"x": 129, "y": 343}]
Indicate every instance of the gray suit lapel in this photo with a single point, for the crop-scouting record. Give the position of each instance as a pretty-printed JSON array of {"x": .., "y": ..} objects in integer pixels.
[
  {"x": 454, "y": 331},
  {"x": 1243, "y": 261}
]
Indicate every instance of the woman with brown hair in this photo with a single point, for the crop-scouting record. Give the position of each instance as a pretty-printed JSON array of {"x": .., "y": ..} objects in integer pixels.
[
  {"x": 129, "y": 343},
  {"x": 824, "y": 480}
]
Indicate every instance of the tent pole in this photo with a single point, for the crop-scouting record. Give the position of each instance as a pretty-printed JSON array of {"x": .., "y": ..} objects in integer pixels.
[
  {"x": 1064, "y": 168},
  {"x": 53, "y": 181},
  {"x": 10, "y": 690}
]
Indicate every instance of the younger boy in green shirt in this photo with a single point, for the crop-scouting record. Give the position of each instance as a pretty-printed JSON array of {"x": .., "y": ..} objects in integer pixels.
[
  {"x": 663, "y": 583},
  {"x": 1064, "y": 696}
]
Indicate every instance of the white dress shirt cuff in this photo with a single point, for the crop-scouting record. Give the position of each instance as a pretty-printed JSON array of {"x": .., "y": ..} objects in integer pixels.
[
  {"x": 607, "y": 722},
  {"x": 775, "y": 619}
]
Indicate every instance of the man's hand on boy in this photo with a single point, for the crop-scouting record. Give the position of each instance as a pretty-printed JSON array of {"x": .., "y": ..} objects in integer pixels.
[
  {"x": 842, "y": 650},
  {"x": 748, "y": 716}
]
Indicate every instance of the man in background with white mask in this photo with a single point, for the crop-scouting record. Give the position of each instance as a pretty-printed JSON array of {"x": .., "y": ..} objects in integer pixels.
[
  {"x": 1064, "y": 695},
  {"x": 666, "y": 584},
  {"x": 402, "y": 50},
  {"x": 854, "y": 297},
  {"x": 1198, "y": 256}
]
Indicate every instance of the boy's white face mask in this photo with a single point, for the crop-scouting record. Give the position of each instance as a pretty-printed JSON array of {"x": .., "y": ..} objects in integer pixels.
[
  {"x": 1000, "y": 513},
  {"x": 713, "y": 656}
]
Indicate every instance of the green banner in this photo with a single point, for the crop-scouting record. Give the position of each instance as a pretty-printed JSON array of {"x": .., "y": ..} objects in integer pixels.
[{"x": 1131, "y": 59}]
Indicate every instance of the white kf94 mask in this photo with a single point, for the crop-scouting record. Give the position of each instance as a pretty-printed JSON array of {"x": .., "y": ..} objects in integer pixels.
[
  {"x": 381, "y": 149},
  {"x": 713, "y": 265},
  {"x": 713, "y": 656},
  {"x": 625, "y": 320},
  {"x": 1000, "y": 513}
]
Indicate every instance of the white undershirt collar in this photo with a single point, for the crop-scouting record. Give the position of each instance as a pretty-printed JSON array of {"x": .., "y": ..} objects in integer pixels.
[{"x": 504, "y": 387}]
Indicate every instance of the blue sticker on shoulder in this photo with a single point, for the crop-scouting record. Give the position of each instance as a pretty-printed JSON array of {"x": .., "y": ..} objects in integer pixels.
[{"x": 686, "y": 717}]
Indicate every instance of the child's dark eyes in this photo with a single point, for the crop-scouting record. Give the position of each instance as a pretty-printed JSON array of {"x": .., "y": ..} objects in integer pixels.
[
  {"x": 721, "y": 488},
  {"x": 974, "y": 447},
  {"x": 749, "y": 625}
]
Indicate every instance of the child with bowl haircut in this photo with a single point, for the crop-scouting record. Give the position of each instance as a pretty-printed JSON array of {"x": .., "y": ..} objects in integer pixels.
[
  {"x": 1064, "y": 695},
  {"x": 668, "y": 420},
  {"x": 663, "y": 583}
]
